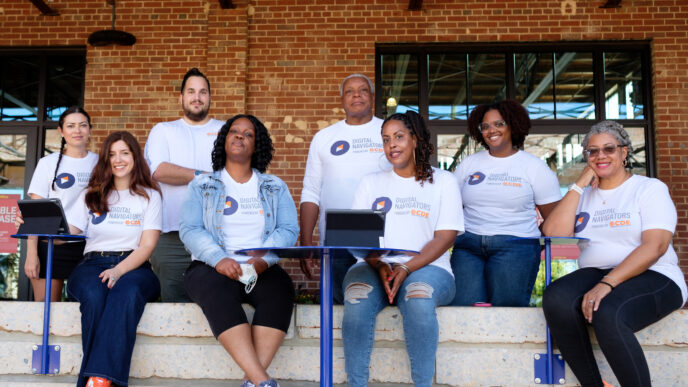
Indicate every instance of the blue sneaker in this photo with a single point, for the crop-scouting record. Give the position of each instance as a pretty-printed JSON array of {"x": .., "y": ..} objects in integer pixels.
[
  {"x": 269, "y": 383},
  {"x": 247, "y": 383}
]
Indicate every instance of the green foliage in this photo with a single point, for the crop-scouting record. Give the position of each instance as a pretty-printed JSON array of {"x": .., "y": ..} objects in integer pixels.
[{"x": 560, "y": 268}]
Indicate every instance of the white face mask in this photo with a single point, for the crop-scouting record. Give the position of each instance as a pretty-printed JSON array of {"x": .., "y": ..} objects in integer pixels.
[{"x": 248, "y": 277}]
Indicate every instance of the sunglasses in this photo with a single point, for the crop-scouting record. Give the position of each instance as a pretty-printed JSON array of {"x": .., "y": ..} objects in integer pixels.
[{"x": 607, "y": 150}]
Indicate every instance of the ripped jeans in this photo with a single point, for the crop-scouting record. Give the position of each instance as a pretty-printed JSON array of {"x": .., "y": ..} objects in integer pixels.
[{"x": 419, "y": 295}]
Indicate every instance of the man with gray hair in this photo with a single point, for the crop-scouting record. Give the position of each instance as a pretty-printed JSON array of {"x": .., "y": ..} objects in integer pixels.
[{"x": 339, "y": 156}]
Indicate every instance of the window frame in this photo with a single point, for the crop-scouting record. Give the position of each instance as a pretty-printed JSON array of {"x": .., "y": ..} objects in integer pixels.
[{"x": 539, "y": 126}]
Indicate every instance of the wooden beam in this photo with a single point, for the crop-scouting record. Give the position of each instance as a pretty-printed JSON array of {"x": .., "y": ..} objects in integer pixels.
[
  {"x": 226, "y": 4},
  {"x": 44, "y": 8},
  {"x": 415, "y": 5}
]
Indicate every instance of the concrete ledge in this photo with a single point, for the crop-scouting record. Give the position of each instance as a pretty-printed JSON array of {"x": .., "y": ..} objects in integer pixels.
[{"x": 478, "y": 346}]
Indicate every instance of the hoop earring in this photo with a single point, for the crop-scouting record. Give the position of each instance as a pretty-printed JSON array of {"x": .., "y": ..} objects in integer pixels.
[{"x": 625, "y": 163}]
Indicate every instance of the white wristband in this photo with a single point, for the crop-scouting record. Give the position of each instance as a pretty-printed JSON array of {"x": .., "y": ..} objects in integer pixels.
[{"x": 575, "y": 187}]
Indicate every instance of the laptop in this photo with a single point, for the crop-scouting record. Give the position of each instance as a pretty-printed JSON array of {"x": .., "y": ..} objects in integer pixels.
[
  {"x": 355, "y": 228},
  {"x": 42, "y": 216}
]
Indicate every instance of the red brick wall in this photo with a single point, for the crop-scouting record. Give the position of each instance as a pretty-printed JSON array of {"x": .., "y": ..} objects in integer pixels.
[{"x": 282, "y": 60}]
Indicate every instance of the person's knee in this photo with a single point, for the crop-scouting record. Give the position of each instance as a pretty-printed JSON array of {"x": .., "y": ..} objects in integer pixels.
[
  {"x": 357, "y": 291},
  {"x": 555, "y": 300},
  {"x": 418, "y": 290}
]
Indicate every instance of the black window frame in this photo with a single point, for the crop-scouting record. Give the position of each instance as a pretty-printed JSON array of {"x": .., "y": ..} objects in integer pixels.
[{"x": 539, "y": 126}]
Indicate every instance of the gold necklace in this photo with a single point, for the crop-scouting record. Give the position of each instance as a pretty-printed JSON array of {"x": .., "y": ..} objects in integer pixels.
[{"x": 599, "y": 190}]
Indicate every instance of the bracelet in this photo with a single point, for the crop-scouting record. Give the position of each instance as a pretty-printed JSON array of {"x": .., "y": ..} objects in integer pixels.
[
  {"x": 608, "y": 284},
  {"x": 404, "y": 267},
  {"x": 575, "y": 187}
]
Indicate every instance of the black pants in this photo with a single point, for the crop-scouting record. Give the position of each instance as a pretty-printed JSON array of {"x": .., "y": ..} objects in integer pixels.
[
  {"x": 220, "y": 297},
  {"x": 632, "y": 306}
]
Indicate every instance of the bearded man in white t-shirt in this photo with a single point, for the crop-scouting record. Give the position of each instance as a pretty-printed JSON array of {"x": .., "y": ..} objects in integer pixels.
[
  {"x": 339, "y": 156},
  {"x": 176, "y": 151}
]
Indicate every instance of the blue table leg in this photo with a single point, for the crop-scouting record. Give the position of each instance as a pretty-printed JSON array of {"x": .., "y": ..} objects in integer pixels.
[
  {"x": 46, "y": 307},
  {"x": 326, "y": 319},
  {"x": 550, "y": 374}
]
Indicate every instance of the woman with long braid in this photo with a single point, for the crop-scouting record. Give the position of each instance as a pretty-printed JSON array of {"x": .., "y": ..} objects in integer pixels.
[
  {"x": 61, "y": 175},
  {"x": 423, "y": 213}
]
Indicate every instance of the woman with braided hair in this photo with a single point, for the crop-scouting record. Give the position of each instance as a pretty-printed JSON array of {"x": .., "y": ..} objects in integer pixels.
[
  {"x": 61, "y": 175},
  {"x": 501, "y": 188},
  {"x": 423, "y": 213}
]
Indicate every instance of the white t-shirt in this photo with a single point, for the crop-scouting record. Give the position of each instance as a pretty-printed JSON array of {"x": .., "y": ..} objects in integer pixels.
[
  {"x": 185, "y": 145},
  {"x": 72, "y": 178},
  {"x": 500, "y": 193},
  {"x": 120, "y": 228},
  {"x": 339, "y": 156},
  {"x": 614, "y": 220},
  {"x": 413, "y": 212},
  {"x": 243, "y": 221}
]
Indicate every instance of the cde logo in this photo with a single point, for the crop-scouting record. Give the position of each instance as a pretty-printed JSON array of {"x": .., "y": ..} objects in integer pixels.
[
  {"x": 96, "y": 217},
  {"x": 65, "y": 180},
  {"x": 581, "y": 221},
  {"x": 339, "y": 148},
  {"x": 231, "y": 206},
  {"x": 476, "y": 178},
  {"x": 382, "y": 203}
]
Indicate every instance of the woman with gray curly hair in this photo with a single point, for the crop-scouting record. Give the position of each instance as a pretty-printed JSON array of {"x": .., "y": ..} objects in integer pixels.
[{"x": 629, "y": 276}]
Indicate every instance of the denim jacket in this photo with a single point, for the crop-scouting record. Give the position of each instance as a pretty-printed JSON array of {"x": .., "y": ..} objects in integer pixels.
[{"x": 200, "y": 219}]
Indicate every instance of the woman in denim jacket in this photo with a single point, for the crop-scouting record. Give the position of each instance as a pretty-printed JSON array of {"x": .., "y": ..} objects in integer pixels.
[{"x": 236, "y": 207}]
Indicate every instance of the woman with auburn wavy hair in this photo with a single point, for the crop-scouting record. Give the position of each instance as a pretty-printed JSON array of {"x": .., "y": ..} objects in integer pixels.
[{"x": 120, "y": 214}]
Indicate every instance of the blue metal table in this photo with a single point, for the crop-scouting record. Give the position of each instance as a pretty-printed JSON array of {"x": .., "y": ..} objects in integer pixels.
[
  {"x": 548, "y": 368},
  {"x": 46, "y": 359},
  {"x": 325, "y": 255}
]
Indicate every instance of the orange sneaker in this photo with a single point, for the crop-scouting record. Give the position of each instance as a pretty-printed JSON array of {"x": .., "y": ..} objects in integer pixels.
[
  {"x": 606, "y": 384},
  {"x": 95, "y": 381}
]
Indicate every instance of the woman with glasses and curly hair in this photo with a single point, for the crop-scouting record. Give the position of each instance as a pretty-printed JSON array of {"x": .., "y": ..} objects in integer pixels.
[
  {"x": 629, "y": 276},
  {"x": 501, "y": 187},
  {"x": 238, "y": 206},
  {"x": 423, "y": 213}
]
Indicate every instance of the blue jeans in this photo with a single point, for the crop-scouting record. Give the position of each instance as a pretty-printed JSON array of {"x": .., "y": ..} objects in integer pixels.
[
  {"x": 109, "y": 317},
  {"x": 419, "y": 295},
  {"x": 630, "y": 307},
  {"x": 494, "y": 269},
  {"x": 342, "y": 260}
]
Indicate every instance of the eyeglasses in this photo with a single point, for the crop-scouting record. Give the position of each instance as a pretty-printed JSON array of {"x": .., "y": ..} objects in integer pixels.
[
  {"x": 497, "y": 124},
  {"x": 607, "y": 150}
]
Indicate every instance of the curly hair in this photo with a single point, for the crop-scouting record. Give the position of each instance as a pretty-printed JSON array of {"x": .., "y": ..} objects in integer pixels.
[
  {"x": 513, "y": 113},
  {"x": 263, "y": 149},
  {"x": 424, "y": 148},
  {"x": 102, "y": 182},
  {"x": 615, "y": 130}
]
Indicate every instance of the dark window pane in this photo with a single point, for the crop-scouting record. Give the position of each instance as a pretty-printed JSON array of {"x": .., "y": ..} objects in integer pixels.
[
  {"x": 64, "y": 86},
  {"x": 575, "y": 91},
  {"x": 19, "y": 87},
  {"x": 447, "y": 87},
  {"x": 623, "y": 86},
  {"x": 399, "y": 83},
  {"x": 533, "y": 75},
  {"x": 487, "y": 79}
]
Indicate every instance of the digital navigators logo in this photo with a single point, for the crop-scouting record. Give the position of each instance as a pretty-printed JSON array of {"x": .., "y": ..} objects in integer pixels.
[
  {"x": 65, "y": 180},
  {"x": 231, "y": 206},
  {"x": 382, "y": 203},
  {"x": 339, "y": 148},
  {"x": 476, "y": 178},
  {"x": 581, "y": 221},
  {"x": 96, "y": 217}
]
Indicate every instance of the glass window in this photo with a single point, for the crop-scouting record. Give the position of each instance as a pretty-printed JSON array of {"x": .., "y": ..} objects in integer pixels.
[
  {"x": 486, "y": 78},
  {"x": 19, "y": 78},
  {"x": 623, "y": 86},
  {"x": 574, "y": 87},
  {"x": 400, "y": 83},
  {"x": 447, "y": 87},
  {"x": 535, "y": 84},
  {"x": 64, "y": 84}
]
